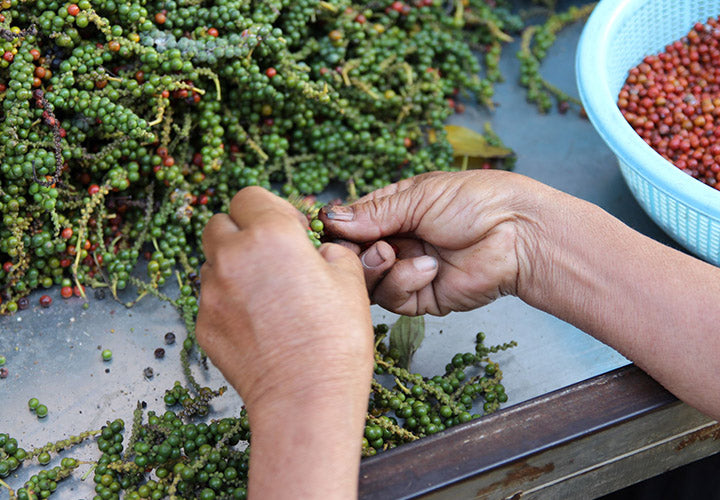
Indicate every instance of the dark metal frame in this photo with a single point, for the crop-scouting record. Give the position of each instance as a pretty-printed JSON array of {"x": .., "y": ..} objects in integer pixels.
[{"x": 511, "y": 434}]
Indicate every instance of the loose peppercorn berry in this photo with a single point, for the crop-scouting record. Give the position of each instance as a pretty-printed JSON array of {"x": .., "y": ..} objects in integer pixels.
[
  {"x": 672, "y": 100},
  {"x": 45, "y": 301},
  {"x": 2, "y": 360},
  {"x": 33, "y": 403},
  {"x": 41, "y": 411},
  {"x": 159, "y": 353},
  {"x": 106, "y": 354},
  {"x": 148, "y": 372},
  {"x": 4, "y": 372},
  {"x": 169, "y": 338}
]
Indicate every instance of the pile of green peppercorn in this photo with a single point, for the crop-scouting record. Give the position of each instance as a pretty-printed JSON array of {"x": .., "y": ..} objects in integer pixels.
[
  {"x": 125, "y": 124},
  {"x": 174, "y": 455}
]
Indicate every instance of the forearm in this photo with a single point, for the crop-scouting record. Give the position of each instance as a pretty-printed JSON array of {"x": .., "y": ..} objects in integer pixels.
[{"x": 655, "y": 305}]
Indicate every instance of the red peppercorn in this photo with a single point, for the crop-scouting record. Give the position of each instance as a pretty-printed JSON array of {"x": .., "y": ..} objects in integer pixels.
[
  {"x": 160, "y": 18},
  {"x": 93, "y": 189},
  {"x": 45, "y": 301},
  {"x": 270, "y": 72},
  {"x": 67, "y": 233},
  {"x": 8, "y": 56},
  {"x": 73, "y": 9},
  {"x": 66, "y": 292},
  {"x": 213, "y": 32}
]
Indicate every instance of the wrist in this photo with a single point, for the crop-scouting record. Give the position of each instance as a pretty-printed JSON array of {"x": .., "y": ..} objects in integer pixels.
[{"x": 312, "y": 441}]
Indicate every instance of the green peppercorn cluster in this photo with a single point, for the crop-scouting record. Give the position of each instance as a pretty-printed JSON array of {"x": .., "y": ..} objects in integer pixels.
[
  {"x": 536, "y": 41},
  {"x": 418, "y": 406},
  {"x": 124, "y": 124},
  {"x": 42, "y": 484},
  {"x": 187, "y": 460},
  {"x": 11, "y": 455}
]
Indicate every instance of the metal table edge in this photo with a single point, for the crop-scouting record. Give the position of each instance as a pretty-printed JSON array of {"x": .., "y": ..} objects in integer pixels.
[{"x": 512, "y": 433}]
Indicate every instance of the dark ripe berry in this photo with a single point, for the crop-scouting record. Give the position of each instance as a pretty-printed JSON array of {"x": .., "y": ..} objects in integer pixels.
[
  {"x": 159, "y": 353},
  {"x": 169, "y": 338},
  {"x": 23, "y": 303},
  {"x": 4, "y": 372},
  {"x": 99, "y": 294},
  {"x": 148, "y": 372},
  {"x": 45, "y": 301}
]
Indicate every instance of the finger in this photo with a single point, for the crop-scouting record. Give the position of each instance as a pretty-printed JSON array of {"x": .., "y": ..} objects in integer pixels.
[
  {"x": 398, "y": 290},
  {"x": 354, "y": 247},
  {"x": 342, "y": 260},
  {"x": 255, "y": 205},
  {"x": 374, "y": 218},
  {"x": 376, "y": 261},
  {"x": 219, "y": 228}
]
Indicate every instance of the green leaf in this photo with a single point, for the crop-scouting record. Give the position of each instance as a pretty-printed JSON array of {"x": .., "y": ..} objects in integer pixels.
[{"x": 406, "y": 335}]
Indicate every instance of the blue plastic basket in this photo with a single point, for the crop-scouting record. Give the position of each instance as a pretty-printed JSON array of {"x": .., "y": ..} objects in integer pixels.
[{"x": 616, "y": 37}]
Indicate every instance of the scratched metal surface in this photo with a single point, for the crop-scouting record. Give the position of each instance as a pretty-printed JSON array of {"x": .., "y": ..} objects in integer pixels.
[{"x": 54, "y": 354}]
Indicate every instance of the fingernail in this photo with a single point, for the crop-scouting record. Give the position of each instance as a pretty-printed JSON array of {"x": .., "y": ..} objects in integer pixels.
[
  {"x": 338, "y": 213},
  {"x": 372, "y": 258},
  {"x": 425, "y": 263}
]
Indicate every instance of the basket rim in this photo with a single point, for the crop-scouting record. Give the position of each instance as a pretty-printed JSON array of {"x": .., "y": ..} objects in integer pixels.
[{"x": 600, "y": 106}]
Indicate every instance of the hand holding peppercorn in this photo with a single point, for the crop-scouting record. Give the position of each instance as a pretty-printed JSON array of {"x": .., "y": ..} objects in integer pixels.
[
  {"x": 496, "y": 233},
  {"x": 456, "y": 250},
  {"x": 289, "y": 327}
]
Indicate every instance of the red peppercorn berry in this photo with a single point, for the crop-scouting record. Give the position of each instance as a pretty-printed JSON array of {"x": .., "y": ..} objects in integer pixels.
[
  {"x": 270, "y": 72},
  {"x": 73, "y": 9},
  {"x": 45, "y": 301},
  {"x": 66, "y": 292},
  {"x": 672, "y": 100},
  {"x": 67, "y": 233},
  {"x": 93, "y": 189},
  {"x": 8, "y": 56},
  {"x": 213, "y": 32}
]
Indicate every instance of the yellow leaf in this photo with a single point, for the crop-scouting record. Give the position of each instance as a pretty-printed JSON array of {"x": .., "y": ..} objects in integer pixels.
[{"x": 466, "y": 142}]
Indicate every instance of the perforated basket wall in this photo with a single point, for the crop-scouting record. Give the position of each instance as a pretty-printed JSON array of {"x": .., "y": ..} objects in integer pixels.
[{"x": 617, "y": 36}]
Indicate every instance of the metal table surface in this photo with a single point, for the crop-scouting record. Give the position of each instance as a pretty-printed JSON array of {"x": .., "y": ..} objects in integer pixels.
[{"x": 566, "y": 390}]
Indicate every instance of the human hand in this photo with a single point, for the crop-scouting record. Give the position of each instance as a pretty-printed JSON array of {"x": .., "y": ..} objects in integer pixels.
[
  {"x": 463, "y": 239},
  {"x": 289, "y": 327}
]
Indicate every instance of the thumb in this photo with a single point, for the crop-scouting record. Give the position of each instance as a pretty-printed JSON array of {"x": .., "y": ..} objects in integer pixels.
[{"x": 374, "y": 218}]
